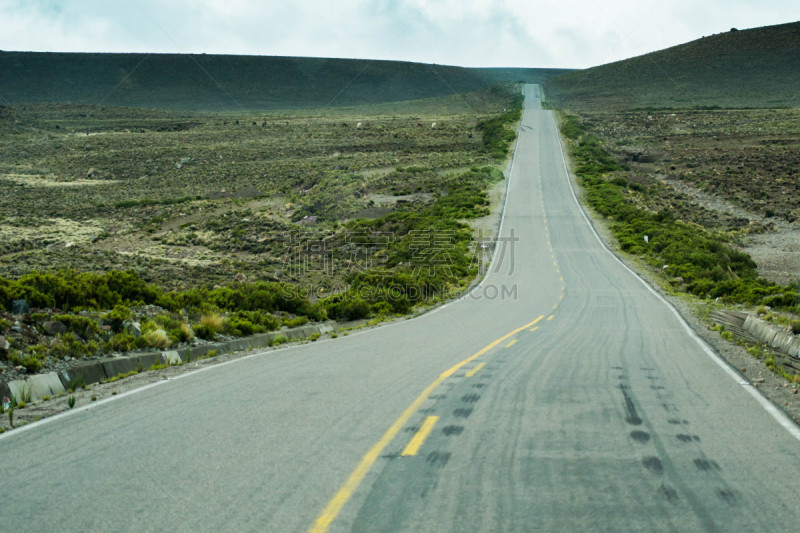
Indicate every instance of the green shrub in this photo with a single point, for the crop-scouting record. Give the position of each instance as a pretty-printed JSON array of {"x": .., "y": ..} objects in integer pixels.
[
  {"x": 205, "y": 332},
  {"x": 69, "y": 345},
  {"x": 117, "y": 316},
  {"x": 295, "y": 322},
  {"x": 278, "y": 340},
  {"x": 498, "y": 134},
  {"x": 183, "y": 333},
  {"x": 157, "y": 338},
  {"x": 31, "y": 362},
  {"x": 79, "y": 325},
  {"x": 122, "y": 342}
]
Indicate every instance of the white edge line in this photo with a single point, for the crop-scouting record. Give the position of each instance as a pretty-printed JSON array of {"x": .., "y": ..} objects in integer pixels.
[
  {"x": 71, "y": 412},
  {"x": 787, "y": 423}
]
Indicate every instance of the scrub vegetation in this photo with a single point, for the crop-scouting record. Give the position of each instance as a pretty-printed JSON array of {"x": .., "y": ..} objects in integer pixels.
[
  {"x": 702, "y": 260},
  {"x": 128, "y": 229}
]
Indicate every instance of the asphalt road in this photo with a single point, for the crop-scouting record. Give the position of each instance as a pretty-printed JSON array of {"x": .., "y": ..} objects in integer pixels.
[{"x": 561, "y": 395}]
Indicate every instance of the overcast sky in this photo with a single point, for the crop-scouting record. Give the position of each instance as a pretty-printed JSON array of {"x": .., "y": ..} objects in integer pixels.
[{"x": 519, "y": 33}]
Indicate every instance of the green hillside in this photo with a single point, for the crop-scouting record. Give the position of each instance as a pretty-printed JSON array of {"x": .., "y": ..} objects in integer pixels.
[
  {"x": 749, "y": 68},
  {"x": 234, "y": 83}
]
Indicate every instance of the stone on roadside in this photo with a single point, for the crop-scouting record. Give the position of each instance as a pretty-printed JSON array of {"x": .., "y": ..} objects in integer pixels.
[
  {"x": 54, "y": 327},
  {"x": 20, "y": 307}
]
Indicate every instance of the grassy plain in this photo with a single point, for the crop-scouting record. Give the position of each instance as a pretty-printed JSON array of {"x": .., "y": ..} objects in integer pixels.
[{"x": 260, "y": 219}]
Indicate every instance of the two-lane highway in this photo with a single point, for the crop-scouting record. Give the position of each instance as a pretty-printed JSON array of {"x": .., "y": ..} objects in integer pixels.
[{"x": 564, "y": 394}]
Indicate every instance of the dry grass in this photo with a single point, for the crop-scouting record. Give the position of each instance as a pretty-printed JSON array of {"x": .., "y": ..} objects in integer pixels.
[
  {"x": 212, "y": 321},
  {"x": 157, "y": 338}
]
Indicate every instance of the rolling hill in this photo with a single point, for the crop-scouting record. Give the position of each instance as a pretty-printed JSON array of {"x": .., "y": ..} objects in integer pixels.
[
  {"x": 750, "y": 68},
  {"x": 234, "y": 83}
]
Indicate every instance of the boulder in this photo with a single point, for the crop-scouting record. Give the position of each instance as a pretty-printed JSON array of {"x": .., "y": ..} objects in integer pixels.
[
  {"x": 54, "y": 327},
  {"x": 20, "y": 307},
  {"x": 5, "y": 347}
]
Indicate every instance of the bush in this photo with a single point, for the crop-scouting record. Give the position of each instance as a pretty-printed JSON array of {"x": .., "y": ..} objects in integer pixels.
[
  {"x": 205, "y": 332},
  {"x": 31, "y": 362},
  {"x": 295, "y": 322},
  {"x": 69, "y": 345},
  {"x": 212, "y": 321},
  {"x": 497, "y": 135},
  {"x": 157, "y": 338},
  {"x": 122, "y": 342},
  {"x": 183, "y": 333}
]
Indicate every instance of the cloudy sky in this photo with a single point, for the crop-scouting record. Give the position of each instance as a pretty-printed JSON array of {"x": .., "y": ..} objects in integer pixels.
[{"x": 520, "y": 33}]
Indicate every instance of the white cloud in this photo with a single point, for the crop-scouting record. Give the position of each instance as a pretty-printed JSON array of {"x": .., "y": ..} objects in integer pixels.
[{"x": 566, "y": 33}]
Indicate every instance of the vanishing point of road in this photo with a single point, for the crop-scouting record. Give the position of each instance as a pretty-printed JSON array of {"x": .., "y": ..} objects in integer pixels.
[{"x": 562, "y": 394}]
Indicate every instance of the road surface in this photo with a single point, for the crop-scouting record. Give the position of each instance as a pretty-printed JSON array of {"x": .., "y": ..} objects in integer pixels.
[{"x": 561, "y": 395}]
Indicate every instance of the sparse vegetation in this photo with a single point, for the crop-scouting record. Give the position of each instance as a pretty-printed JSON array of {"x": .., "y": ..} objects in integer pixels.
[
  {"x": 696, "y": 259},
  {"x": 162, "y": 221}
]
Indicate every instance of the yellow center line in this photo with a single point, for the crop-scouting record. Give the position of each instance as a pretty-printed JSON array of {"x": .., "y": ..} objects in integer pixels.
[
  {"x": 331, "y": 511},
  {"x": 419, "y": 438},
  {"x": 550, "y": 317},
  {"x": 512, "y": 343},
  {"x": 474, "y": 370},
  {"x": 534, "y": 328}
]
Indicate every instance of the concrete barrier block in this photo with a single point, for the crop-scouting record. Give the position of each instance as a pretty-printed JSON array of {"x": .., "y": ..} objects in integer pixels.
[
  {"x": 300, "y": 333},
  {"x": 119, "y": 365},
  {"x": 769, "y": 335},
  {"x": 261, "y": 340},
  {"x": 172, "y": 357},
  {"x": 89, "y": 372},
  {"x": 778, "y": 340},
  {"x": 146, "y": 360},
  {"x": 794, "y": 347},
  {"x": 200, "y": 351},
  {"x": 38, "y": 386},
  {"x": 758, "y": 329},
  {"x": 787, "y": 341}
]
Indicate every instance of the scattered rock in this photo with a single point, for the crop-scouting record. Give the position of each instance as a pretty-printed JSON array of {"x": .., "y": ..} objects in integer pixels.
[
  {"x": 5, "y": 347},
  {"x": 21, "y": 369},
  {"x": 20, "y": 307},
  {"x": 54, "y": 327}
]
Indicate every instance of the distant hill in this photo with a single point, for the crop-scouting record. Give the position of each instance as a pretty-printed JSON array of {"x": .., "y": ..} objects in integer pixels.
[
  {"x": 234, "y": 83},
  {"x": 748, "y": 68}
]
